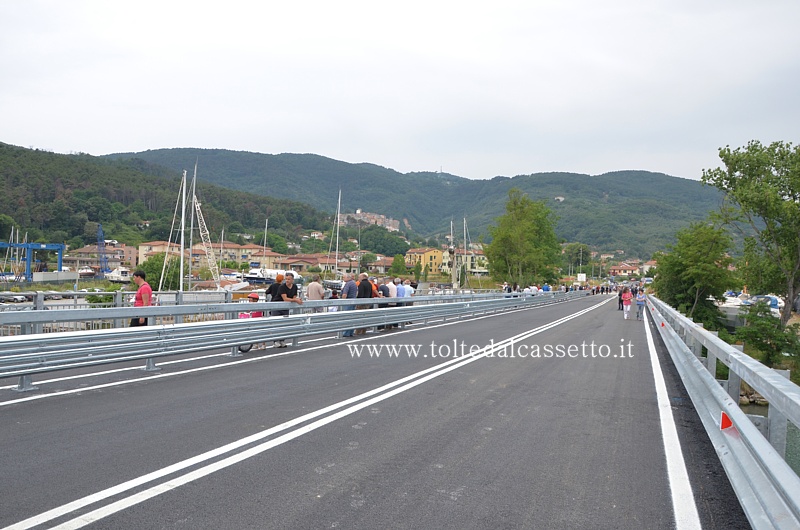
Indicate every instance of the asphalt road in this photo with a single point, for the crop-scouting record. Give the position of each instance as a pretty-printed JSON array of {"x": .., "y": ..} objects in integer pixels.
[{"x": 316, "y": 437}]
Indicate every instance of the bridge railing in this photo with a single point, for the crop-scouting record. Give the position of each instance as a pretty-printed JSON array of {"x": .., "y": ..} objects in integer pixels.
[
  {"x": 753, "y": 454},
  {"x": 34, "y": 353},
  {"x": 14, "y": 321}
]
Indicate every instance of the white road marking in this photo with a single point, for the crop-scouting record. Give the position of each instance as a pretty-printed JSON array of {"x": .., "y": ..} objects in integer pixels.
[
  {"x": 683, "y": 505},
  {"x": 380, "y": 394}
]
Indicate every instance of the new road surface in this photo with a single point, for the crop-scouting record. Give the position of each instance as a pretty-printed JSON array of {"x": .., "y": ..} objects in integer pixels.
[{"x": 565, "y": 416}]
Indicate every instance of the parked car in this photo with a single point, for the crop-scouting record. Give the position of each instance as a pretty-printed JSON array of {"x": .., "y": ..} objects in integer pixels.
[{"x": 15, "y": 298}]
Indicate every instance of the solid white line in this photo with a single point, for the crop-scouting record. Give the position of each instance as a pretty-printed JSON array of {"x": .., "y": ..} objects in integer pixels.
[
  {"x": 424, "y": 375},
  {"x": 683, "y": 505}
]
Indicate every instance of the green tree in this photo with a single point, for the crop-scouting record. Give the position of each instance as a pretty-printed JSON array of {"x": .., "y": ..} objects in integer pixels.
[
  {"x": 417, "y": 271},
  {"x": 694, "y": 270},
  {"x": 524, "y": 248},
  {"x": 6, "y": 223},
  {"x": 152, "y": 268},
  {"x": 766, "y": 334},
  {"x": 75, "y": 242},
  {"x": 757, "y": 271},
  {"x": 577, "y": 256},
  {"x": 380, "y": 240},
  {"x": 762, "y": 197},
  {"x": 366, "y": 259},
  {"x": 398, "y": 267}
]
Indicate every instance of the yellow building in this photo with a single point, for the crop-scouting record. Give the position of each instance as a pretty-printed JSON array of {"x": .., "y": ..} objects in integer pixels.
[
  {"x": 154, "y": 247},
  {"x": 432, "y": 257}
]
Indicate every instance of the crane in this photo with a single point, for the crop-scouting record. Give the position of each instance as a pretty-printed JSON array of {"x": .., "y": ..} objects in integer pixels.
[
  {"x": 210, "y": 256},
  {"x": 102, "y": 258}
]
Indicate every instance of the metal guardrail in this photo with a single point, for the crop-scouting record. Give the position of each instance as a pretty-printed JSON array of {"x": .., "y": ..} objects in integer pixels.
[
  {"x": 28, "y": 354},
  {"x": 14, "y": 317},
  {"x": 753, "y": 457}
]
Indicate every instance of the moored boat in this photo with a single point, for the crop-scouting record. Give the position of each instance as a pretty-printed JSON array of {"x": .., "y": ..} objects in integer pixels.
[
  {"x": 119, "y": 275},
  {"x": 86, "y": 272}
]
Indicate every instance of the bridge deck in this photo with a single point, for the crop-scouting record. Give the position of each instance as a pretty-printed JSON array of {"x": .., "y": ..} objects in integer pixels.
[{"x": 314, "y": 437}]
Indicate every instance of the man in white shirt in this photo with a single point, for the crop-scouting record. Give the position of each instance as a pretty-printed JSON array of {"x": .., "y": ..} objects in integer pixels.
[{"x": 315, "y": 291}]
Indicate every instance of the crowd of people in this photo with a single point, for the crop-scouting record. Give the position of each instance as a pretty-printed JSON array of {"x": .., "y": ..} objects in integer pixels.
[
  {"x": 626, "y": 296},
  {"x": 371, "y": 287},
  {"x": 364, "y": 286},
  {"x": 353, "y": 288},
  {"x": 545, "y": 288}
]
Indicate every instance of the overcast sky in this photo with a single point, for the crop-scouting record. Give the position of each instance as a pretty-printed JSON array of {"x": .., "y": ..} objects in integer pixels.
[{"x": 476, "y": 89}]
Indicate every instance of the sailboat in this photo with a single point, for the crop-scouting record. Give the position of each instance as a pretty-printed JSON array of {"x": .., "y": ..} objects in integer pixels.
[
  {"x": 259, "y": 275},
  {"x": 336, "y": 282}
]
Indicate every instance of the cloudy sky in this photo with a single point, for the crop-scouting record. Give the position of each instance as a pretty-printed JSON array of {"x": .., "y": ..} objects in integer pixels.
[{"x": 476, "y": 89}]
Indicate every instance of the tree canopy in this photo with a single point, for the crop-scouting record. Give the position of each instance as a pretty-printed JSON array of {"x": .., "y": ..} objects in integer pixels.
[
  {"x": 524, "y": 248},
  {"x": 695, "y": 271},
  {"x": 57, "y": 198},
  {"x": 398, "y": 267},
  {"x": 762, "y": 200},
  {"x": 378, "y": 239}
]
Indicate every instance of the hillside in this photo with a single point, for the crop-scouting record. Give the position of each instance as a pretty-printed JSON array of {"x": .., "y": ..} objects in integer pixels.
[
  {"x": 61, "y": 198},
  {"x": 636, "y": 211}
]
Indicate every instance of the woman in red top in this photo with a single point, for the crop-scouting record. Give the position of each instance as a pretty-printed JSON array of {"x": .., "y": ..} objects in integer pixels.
[{"x": 627, "y": 296}]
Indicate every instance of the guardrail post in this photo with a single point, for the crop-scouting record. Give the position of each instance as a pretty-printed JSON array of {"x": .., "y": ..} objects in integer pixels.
[
  {"x": 235, "y": 352},
  {"x": 25, "y": 384},
  {"x": 118, "y": 302},
  {"x": 778, "y": 424},
  {"x": 734, "y": 381},
  {"x": 178, "y": 301},
  {"x": 695, "y": 345},
  {"x": 150, "y": 366},
  {"x": 38, "y": 304},
  {"x": 711, "y": 359}
]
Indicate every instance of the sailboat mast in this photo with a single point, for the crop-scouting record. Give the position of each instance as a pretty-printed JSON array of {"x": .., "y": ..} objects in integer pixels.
[
  {"x": 183, "y": 230},
  {"x": 266, "y": 226},
  {"x": 452, "y": 251},
  {"x": 191, "y": 228},
  {"x": 464, "y": 259},
  {"x": 338, "y": 214}
]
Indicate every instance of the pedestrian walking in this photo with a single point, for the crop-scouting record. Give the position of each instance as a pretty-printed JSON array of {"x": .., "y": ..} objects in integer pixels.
[
  {"x": 640, "y": 300},
  {"x": 626, "y": 298},
  {"x": 143, "y": 298}
]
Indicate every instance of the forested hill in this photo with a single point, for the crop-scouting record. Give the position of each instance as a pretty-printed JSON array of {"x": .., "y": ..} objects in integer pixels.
[
  {"x": 636, "y": 211},
  {"x": 61, "y": 198}
]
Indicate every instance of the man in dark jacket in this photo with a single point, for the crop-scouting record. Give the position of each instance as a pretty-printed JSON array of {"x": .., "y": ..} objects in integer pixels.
[
  {"x": 364, "y": 291},
  {"x": 349, "y": 291}
]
